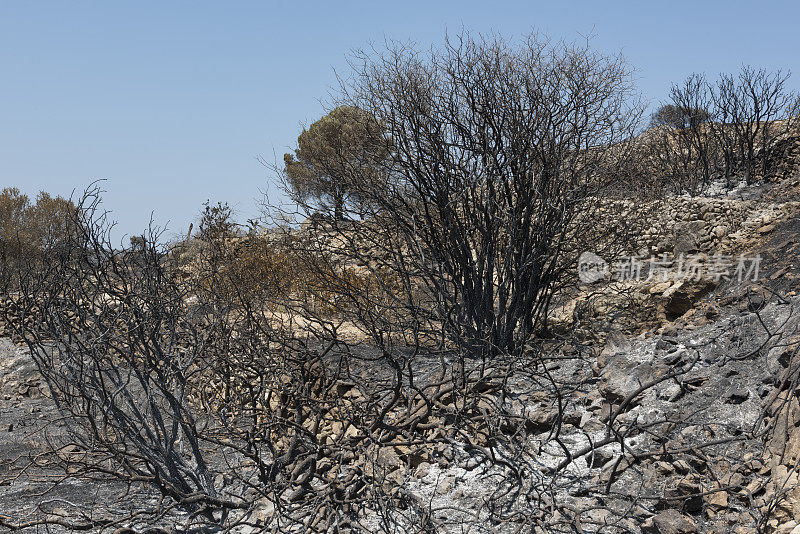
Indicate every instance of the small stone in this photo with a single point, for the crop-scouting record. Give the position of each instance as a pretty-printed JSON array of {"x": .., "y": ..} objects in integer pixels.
[
  {"x": 686, "y": 494},
  {"x": 717, "y": 500},
  {"x": 472, "y": 462},
  {"x": 734, "y": 480},
  {"x": 599, "y": 458},
  {"x": 613, "y": 469},
  {"x": 669, "y": 522},
  {"x": 737, "y": 395},
  {"x": 766, "y": 229},
  {"x": 681, "y": 466},
  {"x": 666, "y": 343},
  {"x": 446, "y": 485},
  {"x": 422, "y": 470},
  {"x": 665, "y": 468}
]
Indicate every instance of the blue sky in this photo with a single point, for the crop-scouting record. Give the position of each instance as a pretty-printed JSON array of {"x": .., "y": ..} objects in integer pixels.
[{"x": 173, "y": 102}]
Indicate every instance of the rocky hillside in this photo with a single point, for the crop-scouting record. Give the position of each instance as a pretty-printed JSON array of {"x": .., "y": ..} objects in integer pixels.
[{"x": 672, "y": 409}]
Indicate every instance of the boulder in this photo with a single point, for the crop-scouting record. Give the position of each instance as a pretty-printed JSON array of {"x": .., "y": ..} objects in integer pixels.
[
  {"x": 688, "y": 236},
  {"x": 621, "y": 376},
  {"x": 683, "y": 296}
]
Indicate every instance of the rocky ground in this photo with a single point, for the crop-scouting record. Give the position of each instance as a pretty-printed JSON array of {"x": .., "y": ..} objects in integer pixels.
[
  {"x": 689, "y": 398},
  {"x": 700, "y": 468},
  {"x": 732, "y": 370},
  {"x": 30, "y": 481}
]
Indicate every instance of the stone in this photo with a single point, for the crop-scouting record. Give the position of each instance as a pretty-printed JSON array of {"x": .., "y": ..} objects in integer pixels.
[
  {"x": 446, "y": 485},
  {"x": 737, "y": 395},
  {"x": 541, "y": 420},
  {"x": 683, "y": 296},
  {"x": 686, "y": 494},
  {"x": 599, "y": 458},
  {"x": 613, "y": 470},
  {"x": 422, "y": 470},
  {"x": 720, "y": 231},
  {"x": 688, "y": 236},
  {"x": 717, "y": 500},
  {"x": 669, "y": 522},
  {"x": 621, "y": 376},
  {"x": 766, "y": 229},
  {"x": 666, "y": 343}
]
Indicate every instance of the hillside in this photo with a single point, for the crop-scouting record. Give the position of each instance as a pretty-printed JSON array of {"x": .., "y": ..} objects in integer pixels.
[{"x": 661, "y": 404}]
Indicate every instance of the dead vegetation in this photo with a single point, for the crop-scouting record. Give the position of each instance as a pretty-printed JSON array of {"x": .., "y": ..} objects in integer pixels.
[{"x": 334, "y": 377}]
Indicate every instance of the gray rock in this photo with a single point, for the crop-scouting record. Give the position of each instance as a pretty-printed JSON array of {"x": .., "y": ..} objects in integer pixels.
[
  {"x": 669, "y": 522},
  {"x": 621, "y": 376},
  {"x": 737, "y": 395}
]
